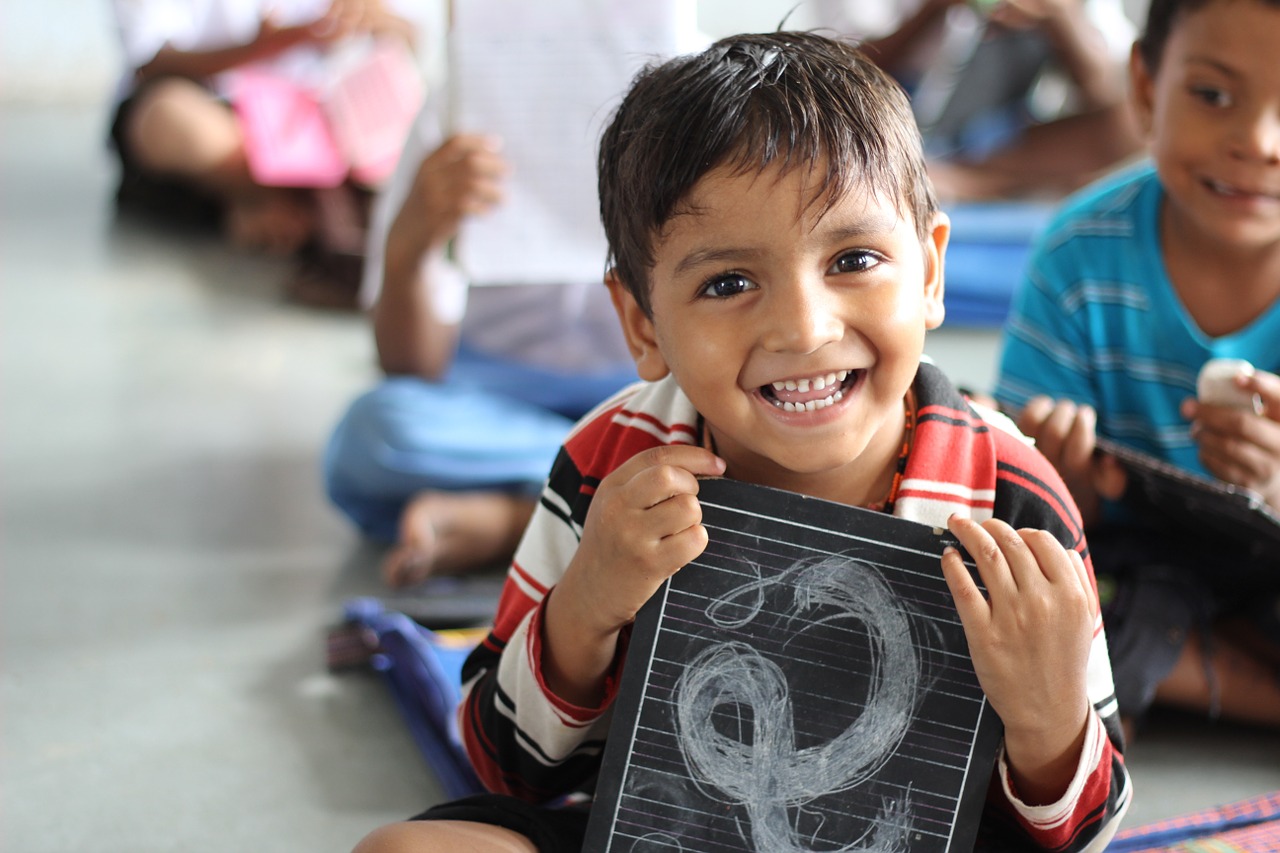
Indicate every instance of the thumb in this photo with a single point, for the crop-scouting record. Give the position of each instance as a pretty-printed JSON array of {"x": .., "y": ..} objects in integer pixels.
[{"x": 1267, "y": 387}]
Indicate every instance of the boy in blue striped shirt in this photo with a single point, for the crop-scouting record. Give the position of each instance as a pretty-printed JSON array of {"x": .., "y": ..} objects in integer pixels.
[{"x": 1139, "y": 281}]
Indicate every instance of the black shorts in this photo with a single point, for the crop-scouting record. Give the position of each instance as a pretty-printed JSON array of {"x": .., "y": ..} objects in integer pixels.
[
  {"x": 552, "y": 830},
  {"x": 1156, "y": 591}
]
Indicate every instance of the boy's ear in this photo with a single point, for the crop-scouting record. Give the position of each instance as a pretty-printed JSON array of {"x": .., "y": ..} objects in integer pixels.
[
  {"x": 1143, "y": 86},
  {"x": 638, "y": 329},
  {"x": 935, "y": 253}
]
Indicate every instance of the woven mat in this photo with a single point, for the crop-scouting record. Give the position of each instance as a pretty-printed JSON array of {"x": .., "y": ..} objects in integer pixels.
[{"x": 1247, "y": 826}]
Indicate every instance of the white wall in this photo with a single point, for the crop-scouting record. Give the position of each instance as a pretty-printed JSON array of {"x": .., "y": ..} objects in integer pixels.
[
  {"x": 719, "y": 18},
  {"x": 57, "y": 50}
]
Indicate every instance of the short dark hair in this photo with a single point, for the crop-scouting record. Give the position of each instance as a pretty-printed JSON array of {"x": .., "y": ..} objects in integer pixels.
[
  {"x": 1162, "y": 15},
  {"x": 748, "y": 101}
]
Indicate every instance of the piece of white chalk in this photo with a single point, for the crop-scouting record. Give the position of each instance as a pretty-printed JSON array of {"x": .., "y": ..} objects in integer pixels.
[{"x": 1215, "y": 386}]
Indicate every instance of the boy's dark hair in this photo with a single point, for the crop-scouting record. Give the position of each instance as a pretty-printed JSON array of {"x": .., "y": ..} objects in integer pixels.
[
  {"x": 795, "y": 98},
  {"x": 1161, "y": 17}
]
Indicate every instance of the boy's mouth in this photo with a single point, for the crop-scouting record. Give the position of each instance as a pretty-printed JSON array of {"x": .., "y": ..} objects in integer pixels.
[
  {"x": 811, "y": 393},
  {"x": 1231, "y": 191}
]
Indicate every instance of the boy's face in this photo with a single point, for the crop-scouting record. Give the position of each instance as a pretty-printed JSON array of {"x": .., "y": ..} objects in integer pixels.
[
  {"x": 795, "y": 333},
  {"x": 1212, "y": 112}
]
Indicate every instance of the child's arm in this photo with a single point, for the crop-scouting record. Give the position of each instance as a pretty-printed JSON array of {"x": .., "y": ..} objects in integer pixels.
[
  {"x": 342, "y": 18},
  {"x": 533, "y": 717},
  {"x": 644, "y": 524},
  {"x": 271, "y": 40},
  {"x": 1239, "y": 445},
  {"x": 1030, "y": 638},
  {"x": 416, "y": 317},
  {"x": 1079, "y": 46},
  {"x": 889, "y": 51}
]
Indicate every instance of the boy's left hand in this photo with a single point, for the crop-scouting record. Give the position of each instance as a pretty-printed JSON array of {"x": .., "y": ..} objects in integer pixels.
[
  {"x": 1029, "y": 638},
  {"x": 1238, "y": 445}
]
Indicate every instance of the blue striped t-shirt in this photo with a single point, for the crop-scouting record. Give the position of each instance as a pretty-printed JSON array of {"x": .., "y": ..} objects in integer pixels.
[{"x": 1096, "y": 320}]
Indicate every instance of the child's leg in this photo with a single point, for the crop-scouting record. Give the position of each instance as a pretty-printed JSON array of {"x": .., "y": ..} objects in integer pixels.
[
  {"x": 447, "y": 533},
  {"x": 1225, "y": 678},
  {"x": 177, "y": 128},
  {"x": 444, "y": 836},
  {"x": 449, "y": 472},
  {"x": 481, "y": 823}
]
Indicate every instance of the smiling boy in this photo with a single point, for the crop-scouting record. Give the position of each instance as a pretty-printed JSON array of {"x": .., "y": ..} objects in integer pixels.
[
  {"x": 1139, "y": 281},
  {"x": 777, "y": 260}
]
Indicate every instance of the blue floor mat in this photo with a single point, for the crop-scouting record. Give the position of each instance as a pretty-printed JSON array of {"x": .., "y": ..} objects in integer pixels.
[
  {"x": 990, "y": 245},
  {"x": 423, "y": 669}
]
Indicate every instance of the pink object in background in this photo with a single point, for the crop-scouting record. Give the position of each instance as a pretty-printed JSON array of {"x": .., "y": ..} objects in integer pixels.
[
  {"x": 371, "y": 108},
  {"x": 287, "y": 137},
  {"x": 354, "y": 128}
]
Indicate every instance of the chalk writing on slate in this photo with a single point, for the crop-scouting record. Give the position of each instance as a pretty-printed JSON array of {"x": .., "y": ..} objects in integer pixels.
[{"x": 803, "y": 685}]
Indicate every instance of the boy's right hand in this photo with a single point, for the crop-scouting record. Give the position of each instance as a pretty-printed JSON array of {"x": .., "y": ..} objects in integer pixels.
[
  {"x": 644, "y": 525},
  {"x": 1066, "y": 434},
  {"x": 464, "y": 177}
]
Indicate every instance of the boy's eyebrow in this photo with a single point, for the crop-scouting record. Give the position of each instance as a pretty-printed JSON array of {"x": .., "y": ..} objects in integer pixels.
[
  {"x": 700, "y": 257},
  {"x": 870, "y": 226},
  {"x": 1216, "y": 64}
]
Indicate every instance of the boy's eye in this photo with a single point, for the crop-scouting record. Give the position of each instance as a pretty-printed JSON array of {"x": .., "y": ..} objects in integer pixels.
[
  {"x": 1212, "y": 95},
  {"x": 856, "y": 261},
  {"x": 729, "y": 284}
]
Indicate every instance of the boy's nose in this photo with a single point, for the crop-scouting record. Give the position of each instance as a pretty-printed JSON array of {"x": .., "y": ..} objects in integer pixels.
[
  {"x": 1259, "y": 136},
  {"x": 800, "y": 319}
]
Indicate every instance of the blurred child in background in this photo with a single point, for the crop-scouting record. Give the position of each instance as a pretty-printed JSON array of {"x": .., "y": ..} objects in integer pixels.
[{"x": 1140, "y": 281}]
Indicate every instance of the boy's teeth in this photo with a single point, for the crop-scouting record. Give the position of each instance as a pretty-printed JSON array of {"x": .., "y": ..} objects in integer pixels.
[
  {"x": 817, "y": 383},
  {"x": 812, "y": 405}
]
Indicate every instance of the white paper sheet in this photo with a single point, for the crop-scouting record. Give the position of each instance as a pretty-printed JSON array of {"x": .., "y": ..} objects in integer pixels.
[{"x": 545, "y": 78}]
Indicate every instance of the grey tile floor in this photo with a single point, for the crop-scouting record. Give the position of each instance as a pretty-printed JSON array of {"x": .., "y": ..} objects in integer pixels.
[{"x": 170, "y": 565}]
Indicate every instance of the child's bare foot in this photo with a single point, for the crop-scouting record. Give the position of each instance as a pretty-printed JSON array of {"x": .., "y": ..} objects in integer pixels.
[{"x": 449, "y": 533}]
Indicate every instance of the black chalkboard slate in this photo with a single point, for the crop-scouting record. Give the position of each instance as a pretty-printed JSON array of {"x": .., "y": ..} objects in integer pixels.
[
  {"x": 803, "y": 685},
  {"x": 1180, "y": 500}
]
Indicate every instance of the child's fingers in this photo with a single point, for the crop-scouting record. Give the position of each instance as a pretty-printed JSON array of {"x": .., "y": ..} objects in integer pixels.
[
  {"x": 1241, "y": 462},
  {"x": 1033, "y": 415},
  {"x": 1048, "y": 554},
  {"x": 1063, "y": 567},
  {"x": 1081, "y": 438},
  {"x": 697, "y": 461},
  {"x": 1082, "y": 576},
  {"x": 1267, "y": 386},
  {"x": 969, "y": 600},
  {"x": 987, "y": 555},
  {"x": 677, "y": 511},
  {"x": 1023, "y": 563},
  {"x": 1109, "y": 477},
  {"x": 684, "y": 547},
  {"x": 1055, "y": 432},
  {"x": 1238, "y": 446}
]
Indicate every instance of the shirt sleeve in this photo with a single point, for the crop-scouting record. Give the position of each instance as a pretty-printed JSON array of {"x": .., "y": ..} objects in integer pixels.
[
  {"x": 1089, "y": 812},
  {"x": 1087, "y": 816},
  {"x": 522, "y": 739},
  {"x": 145, "y": 26}
]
